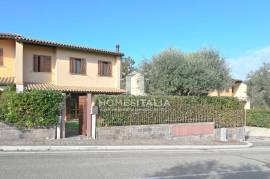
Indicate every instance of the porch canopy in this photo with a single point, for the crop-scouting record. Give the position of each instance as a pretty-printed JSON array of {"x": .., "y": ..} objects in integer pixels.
[
  {"x": 7, "y": 80},
  {"x": 75, "y": 89},
  {"x": 48, "y": 86}
]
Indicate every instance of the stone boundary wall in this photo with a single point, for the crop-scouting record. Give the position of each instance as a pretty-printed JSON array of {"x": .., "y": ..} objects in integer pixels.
[
  {"x": 232, "y": 134},
  {"x": 165, "y": 131},
  {"x": 184, "y": 132},
  {"x": 257, "y": 132},
  {"x": 12, "y": 133}
]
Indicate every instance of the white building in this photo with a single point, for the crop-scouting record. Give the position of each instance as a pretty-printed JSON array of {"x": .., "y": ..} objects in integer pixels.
[{"x": 135, "y": 83}]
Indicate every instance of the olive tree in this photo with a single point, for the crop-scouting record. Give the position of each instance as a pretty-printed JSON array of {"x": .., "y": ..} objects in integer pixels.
[{"x": 172, "y": 72}]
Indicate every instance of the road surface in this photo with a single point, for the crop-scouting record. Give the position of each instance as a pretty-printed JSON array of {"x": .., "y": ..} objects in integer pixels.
[{"x": 243, "y": 163}]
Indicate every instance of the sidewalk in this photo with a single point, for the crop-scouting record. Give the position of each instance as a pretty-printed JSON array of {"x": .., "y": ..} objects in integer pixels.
[{"x": 83, "y": 143}]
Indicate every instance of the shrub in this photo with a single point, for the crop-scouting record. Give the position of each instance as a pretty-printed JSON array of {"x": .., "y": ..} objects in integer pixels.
[
  {"x": 117, "y": 110},
  {"x": 30, "y": 109},
  {"x": 258, "y": 118}
]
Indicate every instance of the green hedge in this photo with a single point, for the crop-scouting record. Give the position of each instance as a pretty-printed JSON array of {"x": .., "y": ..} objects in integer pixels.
[
  {"x": 258, "y": 118},
  {"x": 30, "y": 109},
  {"x": 117, "y": 110}
]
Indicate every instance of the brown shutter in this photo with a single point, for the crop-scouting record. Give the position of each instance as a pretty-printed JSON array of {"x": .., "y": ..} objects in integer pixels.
[
  {"x": 47, "y": 64},
  {"x": 110, "y": 69},
  {"x": 71, "y": 65},
  {"x": 35, "y": 63},
  {"x": 1, "y": 57},
  {"x": 99, "y": 67},
  {"x": 83, "y": 66}
]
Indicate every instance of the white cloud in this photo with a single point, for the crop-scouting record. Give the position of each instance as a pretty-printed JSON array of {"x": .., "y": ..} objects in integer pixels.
[{"x": 248, "y": 62}]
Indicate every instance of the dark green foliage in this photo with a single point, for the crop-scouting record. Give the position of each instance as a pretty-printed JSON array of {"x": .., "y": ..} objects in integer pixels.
[
  {"x": 258, "y": 118},
  {"x": 259, "y": 87},
  {"x": 172, "y": 72},
  {"x": 30, "y": 109},
  {"x": 141, "y": 110}
]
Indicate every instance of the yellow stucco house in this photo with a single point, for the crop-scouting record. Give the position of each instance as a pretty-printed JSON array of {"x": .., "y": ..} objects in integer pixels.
[
  {"x": 238, "y": 90},
  {"x": 77, "y": 71}
]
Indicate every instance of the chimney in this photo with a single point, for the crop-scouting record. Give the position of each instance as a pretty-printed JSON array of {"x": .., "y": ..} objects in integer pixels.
[{"x": 117, "y": 48}]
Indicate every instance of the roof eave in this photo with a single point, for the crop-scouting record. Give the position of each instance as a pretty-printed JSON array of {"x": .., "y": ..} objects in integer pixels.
[{"x": 22, "y": 39}]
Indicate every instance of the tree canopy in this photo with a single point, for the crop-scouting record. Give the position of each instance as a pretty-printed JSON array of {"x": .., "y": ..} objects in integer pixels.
[
  {"x": 259, "y": 87},
  {"x": 173, "y": 72}
]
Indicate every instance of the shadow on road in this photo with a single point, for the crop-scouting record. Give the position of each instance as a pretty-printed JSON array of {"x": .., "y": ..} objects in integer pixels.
[{"x": 212, "y": 169}]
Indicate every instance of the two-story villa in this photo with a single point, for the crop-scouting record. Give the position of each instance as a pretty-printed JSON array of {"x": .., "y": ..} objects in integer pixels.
[{"x": 77, "y": 71}]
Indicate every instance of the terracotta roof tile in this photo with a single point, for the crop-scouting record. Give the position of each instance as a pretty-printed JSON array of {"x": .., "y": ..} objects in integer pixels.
[
  {"x": 46, "y": 86},
  {"x": 23, "y": 39},
  {"x": 7, "y": 80}
]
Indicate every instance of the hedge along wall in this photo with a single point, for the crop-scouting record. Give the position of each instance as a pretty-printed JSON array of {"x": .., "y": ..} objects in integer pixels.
[
  {"x": 258, "y": 118},
  {"x": 30, "y": 109},
  {"x": 119, "y": 110}
]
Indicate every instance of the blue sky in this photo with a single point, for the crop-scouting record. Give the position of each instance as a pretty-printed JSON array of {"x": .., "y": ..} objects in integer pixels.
[{"x": 240, "y": 29}]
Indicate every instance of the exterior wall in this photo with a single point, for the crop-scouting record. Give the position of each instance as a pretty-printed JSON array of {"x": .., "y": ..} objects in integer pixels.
[
  {"x": 12, "y": 133},
  {"x": 128, "y": 84},
  {"x": 28, "y": 72},
  {"x": 158, "y": 131},
  {"x": 227, "y": 92},
  {"x": 18, "y": 63},
  {"x": 9, "y": 58},
  {"x": 91, "y": 79},
  {"x": 241, "y": 91},
  {"x": 257, "y": 132}
]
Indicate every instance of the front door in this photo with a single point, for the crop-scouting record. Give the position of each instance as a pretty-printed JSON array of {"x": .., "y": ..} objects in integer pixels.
[{"x": 82, "y": 115}]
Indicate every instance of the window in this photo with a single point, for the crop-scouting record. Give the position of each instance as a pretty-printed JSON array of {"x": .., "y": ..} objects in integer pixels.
[
  {"x": 42, "y": 63},
  {"x": 77, "y": 66},
  {"x": 1, "y": 57},
  {"x": 104, "y": 68}
]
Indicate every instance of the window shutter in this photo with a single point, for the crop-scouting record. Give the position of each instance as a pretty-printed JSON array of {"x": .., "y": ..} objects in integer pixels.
[
  {"x": 1, "y": 57},
  {"x": 71, "y": 65},
  {"x": 83, "y": 66},
  {"x": 35, "y": 63},
  {"x": 110, "y": 69},
  {"x": 99, "y": 67},
  {"x": 42, "y": 63},
  {"x": 47, "y": 64}
]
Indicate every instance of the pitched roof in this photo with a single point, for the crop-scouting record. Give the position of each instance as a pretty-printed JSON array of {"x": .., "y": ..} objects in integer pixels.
[
  {"x": 134, "y": 73},
  {"x": 47, "y": 86},
  {"x": 26, "y": 40},
  {"x": 7, "y": 80}
]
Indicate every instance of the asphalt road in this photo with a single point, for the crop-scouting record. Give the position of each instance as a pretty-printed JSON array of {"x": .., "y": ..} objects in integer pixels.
[{"x": 243, "y": 163}]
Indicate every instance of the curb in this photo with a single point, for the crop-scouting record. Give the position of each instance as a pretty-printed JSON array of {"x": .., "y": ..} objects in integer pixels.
[{"x": 117, "y": 147}]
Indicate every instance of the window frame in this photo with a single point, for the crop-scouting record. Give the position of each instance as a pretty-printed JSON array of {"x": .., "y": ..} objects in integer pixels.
[
  {"x": 39, "y": 64},
  {"x": 101, "y": 68},
  {"x": 72, "y": 66}
]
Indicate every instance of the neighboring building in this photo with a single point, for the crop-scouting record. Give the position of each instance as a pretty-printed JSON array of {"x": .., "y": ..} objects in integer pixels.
[
  {"x": 237, "y": 90},
  {"x": 77, "y": 71},
  {"x": 135, "y": 84}
]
